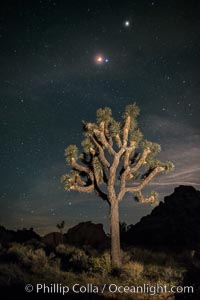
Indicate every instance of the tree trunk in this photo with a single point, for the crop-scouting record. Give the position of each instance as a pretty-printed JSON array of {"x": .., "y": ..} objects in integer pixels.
[{"x": 115, "y": 234}]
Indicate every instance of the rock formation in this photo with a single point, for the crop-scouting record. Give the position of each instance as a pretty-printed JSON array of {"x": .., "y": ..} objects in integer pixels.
[
  {"x": 87, "y": 233},
  {"x": 174, "y": 223}
]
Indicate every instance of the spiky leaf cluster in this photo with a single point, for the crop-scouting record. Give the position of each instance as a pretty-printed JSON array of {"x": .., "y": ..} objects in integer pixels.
[
  {"x": 169, "y": 166},
  {"x": 115, "y": 128},
  {"x": 88, "y": 128},
  {"x": 74, "y": 174},
  {"x": 66, "y": 181},
  {"x": 153, "y": 197},
  {"x": 136, "y": 136},
  {"x": 63, "y": 178},
  {"x": 133, "y": 111},
  {"x": 69, "y": 179},
  {"x": 156, "y": 196},
  {"x": 71, "y": 152},
  {"x": 151, "y": 162},
  {"x": 67, "y": 185},
  {"x": 87, "y": 145},
  {"x": 154, "y": 147},
  {"x": 104, "y": 115},
  {"x": 98, "y": 170}
]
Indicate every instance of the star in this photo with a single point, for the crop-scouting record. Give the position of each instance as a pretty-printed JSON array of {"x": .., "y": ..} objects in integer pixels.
[{"x": 127, "y": 23}]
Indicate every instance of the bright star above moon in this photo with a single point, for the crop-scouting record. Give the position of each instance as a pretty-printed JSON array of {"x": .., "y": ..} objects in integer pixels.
[{"x": 127, "y": 23}]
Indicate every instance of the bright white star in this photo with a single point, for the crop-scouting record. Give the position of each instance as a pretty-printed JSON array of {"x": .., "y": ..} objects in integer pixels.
[{"x": 127, "y": 23}]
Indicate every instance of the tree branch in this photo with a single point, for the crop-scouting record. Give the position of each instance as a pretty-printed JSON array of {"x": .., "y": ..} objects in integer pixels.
[
  {"x": 102, "y": 157},
  {"x": 78, "y": 167},
  {"x": 118, "y": 141},
  {"x": 80, "y": 181},
  {"x": 138, "y": 188},
  {"x": 125, "y": 171},
  {"x": 151, "y": 175},
  {"x": 103, "y": 139},
  {"x": 112, "y": 174},
  {"x": 140, "y": 162},
  {"x": 126, "y": 130},
  {"x": 127, "y": 154},
  {"x": 84, "y": 189},
  {"x": 108, "y": 136}
]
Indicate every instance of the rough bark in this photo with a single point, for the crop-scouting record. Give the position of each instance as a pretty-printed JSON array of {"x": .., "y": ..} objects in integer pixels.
[{"x": 115, "y": 234}]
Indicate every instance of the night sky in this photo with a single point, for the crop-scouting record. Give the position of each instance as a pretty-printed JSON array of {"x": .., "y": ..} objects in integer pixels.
[{"x": 62, "y": 60}]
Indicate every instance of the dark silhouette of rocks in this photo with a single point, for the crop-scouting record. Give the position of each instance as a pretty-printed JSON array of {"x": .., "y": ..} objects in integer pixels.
[
  {"x": 174, "y": 223},
  {"x": 84, "y": 234},
  {"x": 53, "y": 239},
  {"x": 19, "y": 236},
  {"x": 87, "y": 234}
]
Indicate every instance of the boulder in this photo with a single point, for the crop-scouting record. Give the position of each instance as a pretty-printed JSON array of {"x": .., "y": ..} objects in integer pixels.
[
  {"x": 53, "y": 239},
  {"x": 87, "y": 234},
  {"x": 174, "y": 223}
]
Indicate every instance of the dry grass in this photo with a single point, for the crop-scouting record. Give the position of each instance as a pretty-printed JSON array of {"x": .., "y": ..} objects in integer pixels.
[{"x": 139, "y": 267}]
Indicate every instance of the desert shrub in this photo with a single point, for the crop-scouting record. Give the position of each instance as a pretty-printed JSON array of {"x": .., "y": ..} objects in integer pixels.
[
  {"x": 79, "y": 261},
  {"x": 147, "y": 256},
  {"x": 35, "y": 244},
  {"x": 167, "y": 275},
  {"x": 67, "y": 249},
  {"x": 34, "y": 260},
  {"x": 171, "y": 274},
  {"x": 11, "y": 274},
  {"x": 27, "y": 256},
  {"x": 73, "y": 258},
  {"x": 100, "y": 264},
  {"x": 17, "y": 253},
  {"x": 125, "y": 257},
  {"x": 134, "y": 269},
  {"x": 61, "y": 248}
]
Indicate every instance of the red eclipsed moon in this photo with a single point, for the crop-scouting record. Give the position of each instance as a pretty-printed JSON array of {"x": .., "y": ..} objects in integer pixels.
[{"x": 100, "y": 59}]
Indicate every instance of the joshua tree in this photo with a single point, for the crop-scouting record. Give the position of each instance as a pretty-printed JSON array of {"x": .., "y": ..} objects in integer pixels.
[
  {"x": 61, "y": 226},
  {"x": 114, "y": 161}
]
